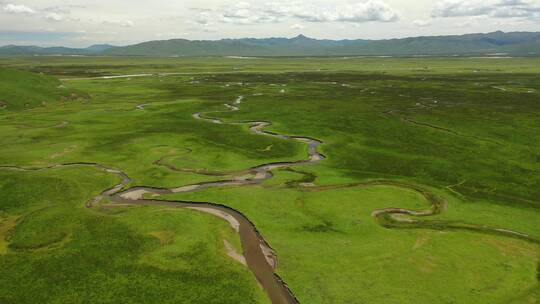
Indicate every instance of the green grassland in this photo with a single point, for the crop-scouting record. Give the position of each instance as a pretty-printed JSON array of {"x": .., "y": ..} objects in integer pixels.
[
  {"x": 59, "y": 252},
  {"x": 465, "y": 129},
  {"x": 23, "y": 90},
  {"x": 66, "y": 67}
]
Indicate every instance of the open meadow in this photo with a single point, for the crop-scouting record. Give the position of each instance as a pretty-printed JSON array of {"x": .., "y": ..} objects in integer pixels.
[{"x": 266, "y": 180}]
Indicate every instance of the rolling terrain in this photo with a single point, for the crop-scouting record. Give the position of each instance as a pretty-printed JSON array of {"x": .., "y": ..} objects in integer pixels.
[
  {"x": 330, "y": 180},
  {"x": 490, "y": 44}
]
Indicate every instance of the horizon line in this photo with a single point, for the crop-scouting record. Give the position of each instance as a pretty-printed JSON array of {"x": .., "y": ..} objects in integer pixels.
[{"x": 260, "y": 38}]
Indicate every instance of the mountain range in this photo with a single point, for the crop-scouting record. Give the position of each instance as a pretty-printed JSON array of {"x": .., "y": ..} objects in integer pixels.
[
  {"x": 96, "y": 49},
  {"x": 512, "y": 44}
]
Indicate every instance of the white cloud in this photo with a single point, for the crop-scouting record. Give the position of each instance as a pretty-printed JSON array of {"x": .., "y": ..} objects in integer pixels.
[
  {"x": 51, "y": 14},
  {"x": 489, "y": 8},
  {"x": 123, "y": 23},
  {"x": 203, "y": 18},
  {"x": 216, "y": 19},
  {"x": 421, "y": 23},
  {"x": 54, "y": 17},
  {"x": 17, "y": 9},
  {"x": 460, "y": 8},
  {"x": 275, "y": 12},
  {"x": 127, "y": 23},
  {"x": 245, "y": 13},
  {"x": 203, "y": 22},
  {"x": 57, "y": 9},
  {"x": 371, "y": 10},
  {"x": 243, "y": 5}
]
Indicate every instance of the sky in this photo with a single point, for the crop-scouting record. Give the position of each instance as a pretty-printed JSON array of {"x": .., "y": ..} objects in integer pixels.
[{"x": 80, "y": 23}]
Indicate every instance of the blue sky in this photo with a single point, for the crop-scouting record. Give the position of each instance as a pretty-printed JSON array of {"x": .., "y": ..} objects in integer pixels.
[
  {"x": 120, "y": 22},
  {"x": 8, "y": 37}
]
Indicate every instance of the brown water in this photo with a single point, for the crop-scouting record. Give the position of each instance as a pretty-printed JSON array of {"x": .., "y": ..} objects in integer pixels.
[{"x": 260, "y": 257}]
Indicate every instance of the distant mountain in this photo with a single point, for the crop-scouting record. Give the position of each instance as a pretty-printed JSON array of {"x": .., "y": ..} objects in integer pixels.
[
  {"x": 36, "y": 50},
  {"x": 513, "y": 44},
  {"x": 99, "y": 47},
  {"x": 297, "y": 46},
  {"x": 516, "y": 43}
]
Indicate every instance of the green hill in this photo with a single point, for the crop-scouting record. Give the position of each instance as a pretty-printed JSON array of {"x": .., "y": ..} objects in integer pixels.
[
  {"x": 18, "y": 50},
  {"x": 21, "y": 90},
  {"x": 511, "y": 44},
  {"x": 517, "y": 43}
]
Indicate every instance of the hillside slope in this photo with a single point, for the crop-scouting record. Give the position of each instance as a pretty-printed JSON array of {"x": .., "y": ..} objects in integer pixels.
[
  {"x": 18, "y": 50},
  {"x": 517, "y": 43},
  {"x": 21, "y": 90},
  {"x": 512, "y": 44}
]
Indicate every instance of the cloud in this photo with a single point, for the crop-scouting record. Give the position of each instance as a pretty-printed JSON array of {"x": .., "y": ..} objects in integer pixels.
[
  {"x": 55, "y": 17},
  {"x": 245, "y": 13},
  {"x": 274, "y": 12},
  {"x": 57, "y": 9},
  {"x": 529, "y": 9},
  {"x": 203, "y": 18},
  {"x": 17, "y": 9},
  {"x": 297, "y": 26},
  {"x": 371, "y": 10},
  {"x": 57, "y": 14},
  {"x": 51, "y": 14},
  {"x": 422, "y": 23},
  {"x": 122, "y": 23},
  {"x": 203, "y": 22}
]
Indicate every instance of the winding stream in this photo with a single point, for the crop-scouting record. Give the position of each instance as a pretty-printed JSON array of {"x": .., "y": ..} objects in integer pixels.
[{"x": 259, "y": 256}]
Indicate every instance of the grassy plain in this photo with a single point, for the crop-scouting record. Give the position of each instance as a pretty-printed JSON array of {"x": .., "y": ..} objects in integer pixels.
[{"x": 467, "y": 129}]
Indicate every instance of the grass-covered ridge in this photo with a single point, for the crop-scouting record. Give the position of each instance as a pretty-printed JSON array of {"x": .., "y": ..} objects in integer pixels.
[
  {"x": 21, "y": 90},
  {"x": 512, "y": 43}
]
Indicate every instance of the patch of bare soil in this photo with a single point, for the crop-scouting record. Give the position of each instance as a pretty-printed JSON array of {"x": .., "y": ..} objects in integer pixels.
[
  {"x": 6, "y": 226},
  {"x": 165, "y": 237},
  {"x": 235, "y": 255},
  {"x": 221, "y": 214}
]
